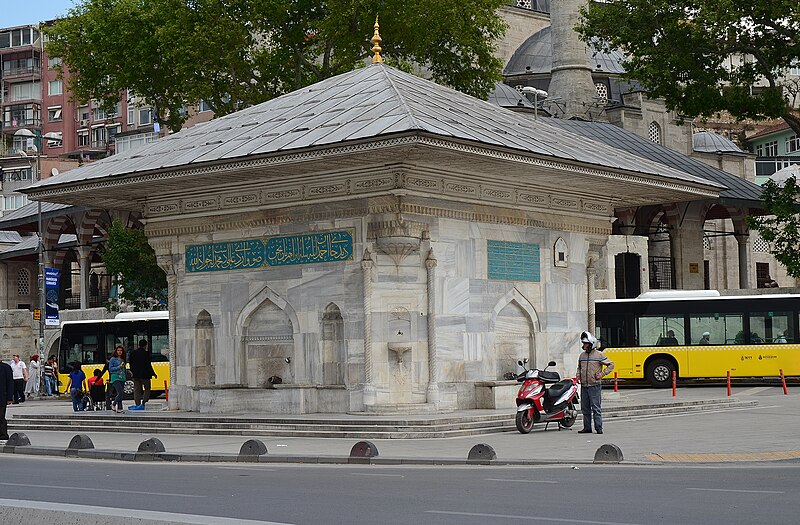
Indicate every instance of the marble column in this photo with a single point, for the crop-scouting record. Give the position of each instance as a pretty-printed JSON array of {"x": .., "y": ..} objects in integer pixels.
[
  {"x": 366, "y": 266},
  {"x": 433, "y": 359},
  {"x": 591, "y": 272},
  {"x": 85, "y": 265},
  {"x": 164, "y": 259},
  {"x": 686, "y": 245},
  {"x": 743, "y": 241}
]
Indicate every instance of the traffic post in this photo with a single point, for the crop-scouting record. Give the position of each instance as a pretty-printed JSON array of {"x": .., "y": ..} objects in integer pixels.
[
  {"x": 783, "y": 382},
  {"x": 729, "y": 383},
  {"x": 616, "y": 385},
  {"x": 674, "y": 383}
]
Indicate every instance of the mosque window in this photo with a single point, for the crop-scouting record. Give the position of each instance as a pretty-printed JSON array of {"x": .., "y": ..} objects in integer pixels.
[
  {"x": 760, "y": 245},
  {"x": 23, "y": 282},
  {"x": 525, "y": 4},
  {"x": 602, "y": 93},
  {"x": 654, "y": 132}
]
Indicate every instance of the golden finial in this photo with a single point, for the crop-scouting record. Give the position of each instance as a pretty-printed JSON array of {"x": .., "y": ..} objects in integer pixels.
[{"x": 376, "y": 44}]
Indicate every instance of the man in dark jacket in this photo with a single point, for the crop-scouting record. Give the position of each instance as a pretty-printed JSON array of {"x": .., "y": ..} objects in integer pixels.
[
  {"x": 142, "y": 371},
  {"x": 6, "y": 397}
]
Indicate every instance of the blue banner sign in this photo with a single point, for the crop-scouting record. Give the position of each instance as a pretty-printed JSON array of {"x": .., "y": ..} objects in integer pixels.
[
  {"x": 513, "y": 261},
  {"x": 51, "y": 276},
  {"x": 318, "y": 247}
]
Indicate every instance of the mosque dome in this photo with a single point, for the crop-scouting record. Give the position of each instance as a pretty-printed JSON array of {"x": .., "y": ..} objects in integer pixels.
[
  {"x": 707, "y": 142},
  {"x": 506, "y": 96},
  {"x": 535, "y": 56}
]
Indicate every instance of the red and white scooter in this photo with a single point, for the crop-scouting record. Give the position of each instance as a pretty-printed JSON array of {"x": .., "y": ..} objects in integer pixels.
[{"x": 537, "y": 403}]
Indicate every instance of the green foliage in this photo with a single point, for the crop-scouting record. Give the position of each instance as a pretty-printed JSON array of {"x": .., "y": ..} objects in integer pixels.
[
  {"x": 781, "y": 225},
  {"x": 690, "y": 52},
  {"x": 132, "y": 263},
  {"x": 236, "y": 53}
]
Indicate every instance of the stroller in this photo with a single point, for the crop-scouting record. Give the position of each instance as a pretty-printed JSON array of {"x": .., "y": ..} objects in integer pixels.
[{"x": 96, "y": 398}]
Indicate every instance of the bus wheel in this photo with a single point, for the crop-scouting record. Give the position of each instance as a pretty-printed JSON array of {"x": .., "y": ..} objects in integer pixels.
[{"x": 659, "y": 373}]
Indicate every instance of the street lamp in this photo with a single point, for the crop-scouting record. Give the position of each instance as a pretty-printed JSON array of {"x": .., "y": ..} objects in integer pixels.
[
  {"x": 40, "y": 245},
  {"x": 537, "y": 94}
]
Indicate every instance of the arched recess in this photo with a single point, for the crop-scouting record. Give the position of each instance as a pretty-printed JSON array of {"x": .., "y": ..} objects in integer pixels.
[
  {"x": 513, "y": 324},
  {"x": 203, "y": 360},
  {"x": 334, "y": 353},
  {"x": 267, "y": 332}
]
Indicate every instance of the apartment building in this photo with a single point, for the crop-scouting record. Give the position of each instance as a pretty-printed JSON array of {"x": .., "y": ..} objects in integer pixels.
[{"x": 65, "y": 134}]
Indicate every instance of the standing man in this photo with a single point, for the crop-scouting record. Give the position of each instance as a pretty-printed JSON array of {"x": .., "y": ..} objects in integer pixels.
[
  {"x": 592, "y": 366},
  {"x": 20, "y": 373},
  {"x": 142, "y": 371},
  {"x": 6, "y": 397}
]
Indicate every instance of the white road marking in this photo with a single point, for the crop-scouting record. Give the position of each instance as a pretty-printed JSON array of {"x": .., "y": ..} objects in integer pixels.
[
  {"x": 115, "y": 512},
  {"x": 529, "y": 518},
  {"x": 249, "y": 468},
  {"x": 736, "y": 490},
  {"x": 754, "y": 390},
  {"x": 381, "y": 475},
  {"x": 523, "y": 480},
  {"x": 121, "y": 491}
]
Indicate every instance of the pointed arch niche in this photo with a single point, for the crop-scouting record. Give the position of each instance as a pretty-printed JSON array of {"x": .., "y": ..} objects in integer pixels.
[
  {"x": 203, "y": 372},
  {"x": 268, "y": 328},
  {"x": 514, "y": 323},
  {"x": 334, "y": 354}
]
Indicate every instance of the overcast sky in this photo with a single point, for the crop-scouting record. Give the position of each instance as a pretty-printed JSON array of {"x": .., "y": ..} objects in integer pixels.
[{"x": 22, "y": 12}]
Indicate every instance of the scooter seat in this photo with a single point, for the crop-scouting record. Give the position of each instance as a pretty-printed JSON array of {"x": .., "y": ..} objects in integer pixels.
[{"x": 554, "y": 392}]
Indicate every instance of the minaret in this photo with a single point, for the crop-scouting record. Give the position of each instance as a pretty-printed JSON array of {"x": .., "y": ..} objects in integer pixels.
[{"x": 571, "y": 75}]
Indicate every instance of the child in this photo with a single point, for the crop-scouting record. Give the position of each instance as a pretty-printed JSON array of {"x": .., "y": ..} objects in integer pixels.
[
  {"x": 75, "y": 386},
  {"x": 96, "y": 379}
]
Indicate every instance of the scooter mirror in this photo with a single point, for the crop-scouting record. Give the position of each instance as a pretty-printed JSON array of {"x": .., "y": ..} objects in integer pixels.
[
  {"x": 551, "y": 363},
  {"x": 519, "y": 362}
]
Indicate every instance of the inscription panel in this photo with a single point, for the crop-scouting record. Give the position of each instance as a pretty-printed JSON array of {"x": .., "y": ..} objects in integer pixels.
[
  {"x": 513, "y": 261},
  {"x": 311, "y": 248}
]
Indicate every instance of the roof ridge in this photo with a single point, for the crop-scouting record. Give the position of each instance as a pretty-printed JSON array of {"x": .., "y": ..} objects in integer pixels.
[{"x": 415, "y": 124}]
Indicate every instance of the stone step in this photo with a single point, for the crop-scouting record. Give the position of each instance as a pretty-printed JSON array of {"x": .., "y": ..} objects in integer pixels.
[{"x": 358, "y": 427}]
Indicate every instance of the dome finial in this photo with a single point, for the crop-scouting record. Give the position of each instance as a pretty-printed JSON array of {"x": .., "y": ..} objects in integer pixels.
[{"x": 376, "y": 44}]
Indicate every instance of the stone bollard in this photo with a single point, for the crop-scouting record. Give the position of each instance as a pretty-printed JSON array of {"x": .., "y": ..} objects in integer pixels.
[
  {"x": 481, "y": 452},
  {"x": 608, "y": 453},
  {"x": 18, "y": 439},
  {"x": 364, "y": 449},
  {"x": 252, "y": 449},
  {"x": 80, "y": 442},
  {"x": 151, "y": 446}
]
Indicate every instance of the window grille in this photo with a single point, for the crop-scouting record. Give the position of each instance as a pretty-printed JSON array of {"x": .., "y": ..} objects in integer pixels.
[
  {"x": 602, "y": 92},
  {"x": 654, "y": 133},
  {"x": 23, "y": 282}
]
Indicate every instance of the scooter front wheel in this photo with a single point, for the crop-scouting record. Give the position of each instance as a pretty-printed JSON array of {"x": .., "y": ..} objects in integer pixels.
[
  {"x": 524, "y": 421},
  {"x": 570, "y": 415}
]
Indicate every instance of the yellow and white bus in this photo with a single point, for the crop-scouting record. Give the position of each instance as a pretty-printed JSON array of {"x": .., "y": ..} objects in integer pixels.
[
  {"x": 91, "y": 343},
  {"x": 700, "y": 334}
]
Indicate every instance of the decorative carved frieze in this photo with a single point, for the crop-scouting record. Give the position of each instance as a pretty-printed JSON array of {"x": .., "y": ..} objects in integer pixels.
[
  {"x": 231, "y": 201},
  {"x": 283, "y": 195},
  {"x": 457, "y": 188},
  {"x": 531, "y": 198},
  {"x": 420, "y": 182},
  {"x": 372, "y": 184},
  {"x": 596, "y": 207},
  {"x": 208, "y": 203},
  {"x": 497, "y": 194},
  {"x": 559, "y": 202},
  {"x": 326, "y": 190},
  {"x": 163, "y": 209}
]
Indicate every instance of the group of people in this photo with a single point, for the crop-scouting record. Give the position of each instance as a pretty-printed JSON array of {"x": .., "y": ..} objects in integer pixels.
[
  {"x": 27, "y": 379},
  {"x": 141, "y": 371}
]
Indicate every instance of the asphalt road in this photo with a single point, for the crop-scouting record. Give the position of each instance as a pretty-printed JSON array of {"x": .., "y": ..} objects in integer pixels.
[{"x": 354, "y": 495}]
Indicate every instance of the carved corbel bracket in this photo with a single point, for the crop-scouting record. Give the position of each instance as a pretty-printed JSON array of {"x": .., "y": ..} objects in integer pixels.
[{"x": 397, "y": 238}]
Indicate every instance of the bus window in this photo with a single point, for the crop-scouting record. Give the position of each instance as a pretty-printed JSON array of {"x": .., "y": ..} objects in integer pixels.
[
  {"x": 660, "y": 330},
  {"x": 723, "y": 329},
  {"x": 771, "y": 327},
  {"x": 611, "y": 331}
]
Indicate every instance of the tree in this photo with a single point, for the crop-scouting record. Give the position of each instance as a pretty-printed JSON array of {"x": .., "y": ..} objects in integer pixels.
[
  {"x": 705, "y": 56},
  {"x": 781, "y": 225},
  {"x": 132, "y": 263},
  {"x": 236, "y": 53}
]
